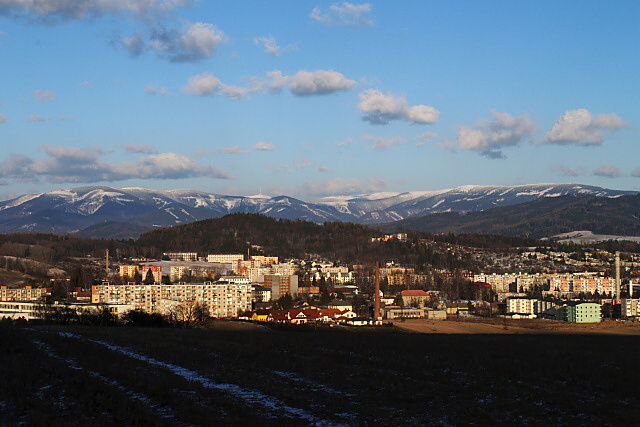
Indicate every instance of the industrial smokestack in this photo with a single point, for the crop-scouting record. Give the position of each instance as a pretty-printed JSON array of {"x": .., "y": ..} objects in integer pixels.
[
  {"x": 618, "y": 274},
  {"x": 376, "y": 304}
]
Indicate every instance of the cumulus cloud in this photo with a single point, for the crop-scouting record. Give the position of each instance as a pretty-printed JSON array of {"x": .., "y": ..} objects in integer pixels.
[
  {"x": 263, "y": 146},
  {"x": 345, "y": 13},
  {"x": 83, "y": 165},
  {"x": 53, "y": 11},
  {"x": 205, "y": 84},
  {"x": 194, "y": 42},
  {"x": 488, "y": 138},
  {"x": 580, "y": 127},
  {"x": 305, "y": 83},
  {"x": 382, "y": 143},
  {"x": 44, "y": 95},
  {"x": 141, "y": 148},
  {"x": 608, "y": 172},
  {"x": 380, "y": 109},
  {"x": 152, "y": 89},
  {"x": 343, "y": 186},
  {"x": 270, "y": 45},
  {"x": 3, "y": 118}
]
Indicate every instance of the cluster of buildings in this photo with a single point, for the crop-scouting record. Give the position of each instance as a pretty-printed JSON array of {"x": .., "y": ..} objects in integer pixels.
[
  {"x": 302, "y": 315},
  {"x": 554, "y": 284}
]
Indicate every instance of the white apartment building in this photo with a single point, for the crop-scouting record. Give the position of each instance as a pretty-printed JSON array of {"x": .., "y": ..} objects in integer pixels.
[
  {"x": 181, "y": 256},
  {"x": 630, "y": 307},
  {"x": 225, "y": 258},
  {"x": 220, "y": 299},
  {"x": 521, "y": 305}
]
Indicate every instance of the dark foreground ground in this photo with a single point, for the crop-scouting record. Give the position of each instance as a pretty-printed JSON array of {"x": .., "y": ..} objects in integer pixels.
[{"x": 257, "y": 376}]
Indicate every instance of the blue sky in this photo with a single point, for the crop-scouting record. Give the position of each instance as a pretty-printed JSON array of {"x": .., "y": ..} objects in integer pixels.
[{"x": 313, "y": 98}]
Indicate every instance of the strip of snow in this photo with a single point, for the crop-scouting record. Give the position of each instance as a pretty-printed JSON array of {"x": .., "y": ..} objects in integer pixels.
[
  {"x": 251, "y": 397},
  {"x": 165, "y": 413},
  {"x": 314, "y": 386}
]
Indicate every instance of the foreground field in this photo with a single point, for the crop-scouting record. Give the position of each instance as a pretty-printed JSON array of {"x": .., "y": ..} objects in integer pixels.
[
  {"x": 255, "y": 375},
  {"x": 512, "y": 326}
]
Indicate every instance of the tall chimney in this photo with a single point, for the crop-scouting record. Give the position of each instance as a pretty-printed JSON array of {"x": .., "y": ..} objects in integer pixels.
[
  {"x": 618, "y": 275},
  {"x": 376, "y": 306},
  {"x": 106, "y": 265}
]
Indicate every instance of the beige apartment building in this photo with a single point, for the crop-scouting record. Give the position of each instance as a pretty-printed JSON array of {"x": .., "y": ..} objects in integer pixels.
[
  {"x": 25, "y": 293},
  {"x": 221, "y": 299}
]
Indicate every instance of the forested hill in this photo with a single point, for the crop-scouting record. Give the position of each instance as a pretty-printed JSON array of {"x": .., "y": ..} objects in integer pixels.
[
  {"x": 287, "y": 238},
  {"x": 541, "y": 218}
]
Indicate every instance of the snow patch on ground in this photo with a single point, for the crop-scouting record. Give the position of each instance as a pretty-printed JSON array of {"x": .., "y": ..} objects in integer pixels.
[{"x": 251, "y": 397}]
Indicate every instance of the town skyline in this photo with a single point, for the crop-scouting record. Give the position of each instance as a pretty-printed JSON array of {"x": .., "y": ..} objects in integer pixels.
[{"x": 313, "y": 99}]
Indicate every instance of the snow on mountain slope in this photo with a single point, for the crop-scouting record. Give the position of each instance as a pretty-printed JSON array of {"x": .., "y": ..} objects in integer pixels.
[{"x": 75, "y": 209}]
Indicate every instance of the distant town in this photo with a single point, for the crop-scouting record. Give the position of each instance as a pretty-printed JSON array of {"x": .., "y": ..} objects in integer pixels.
[{"x": 584, "y": 286}]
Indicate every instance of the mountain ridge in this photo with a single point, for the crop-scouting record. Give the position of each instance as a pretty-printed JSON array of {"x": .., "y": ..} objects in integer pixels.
[{"x": 76, "y": 209}]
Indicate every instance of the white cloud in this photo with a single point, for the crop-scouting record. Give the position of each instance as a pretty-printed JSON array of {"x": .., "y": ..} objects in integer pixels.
[
  {"x": 235, "y": 149},
  {"x": 194, "y": 42},
  {"x": 568, "y": 171},
  {"x": 382, "y": 143},
  {"x": 202, "y": 85},
  {"x": 44, "y": 95},
  {"x": 235, "y": 92},
  {"x": 270, "y": 45},
  {"x": 83, "y": 165},
  {"x": 344, "y": 142},
  {"x": 343, "y": 186},
  {"x": 141, "y": 148},
  {"x": 608, "y": 172},
  {"x": 152, "y": 89},
  {"x": 344, "y": 13},
  {"x": 580, "y": 127},
  {"x": 3, "y": 118},
  {"x": 305, "y": 83},
  {"x": 488, "y": 138},
  {"x": 38, "y": 118},
  {"x": 319, "y": 82},
  {"x": 425, "y": 137},
  {"x": 380, "y": 109},
  {"x": 52, "y": 11},
  {"x": 263, "y": 146}
]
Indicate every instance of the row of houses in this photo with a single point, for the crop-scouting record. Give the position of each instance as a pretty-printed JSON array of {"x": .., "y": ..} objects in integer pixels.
[{"x": 300, "y": 316}]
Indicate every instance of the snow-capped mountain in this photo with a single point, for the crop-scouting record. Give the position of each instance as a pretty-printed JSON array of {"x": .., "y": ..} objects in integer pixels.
[{"x": 75, "y": 209}]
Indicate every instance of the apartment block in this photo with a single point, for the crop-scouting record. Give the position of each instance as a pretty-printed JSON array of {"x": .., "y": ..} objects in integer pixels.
[
  {"x": 281, "y": 285},
  {"x": 128, "y": 270},
  {"x": 181, "y": 256},
  {"x": 25, "y": 293},
  {"x": 220, "y": 299},
  {"x": 225, "y": 258},
  {"x": 579, "y": 312}
]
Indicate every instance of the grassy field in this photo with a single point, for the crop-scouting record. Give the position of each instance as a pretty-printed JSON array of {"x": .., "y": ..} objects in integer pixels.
[{"x": 243, "y": 375}]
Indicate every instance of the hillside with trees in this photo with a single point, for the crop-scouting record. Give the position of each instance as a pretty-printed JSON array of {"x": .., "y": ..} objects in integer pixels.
[{"x": 541, "y": 218}]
